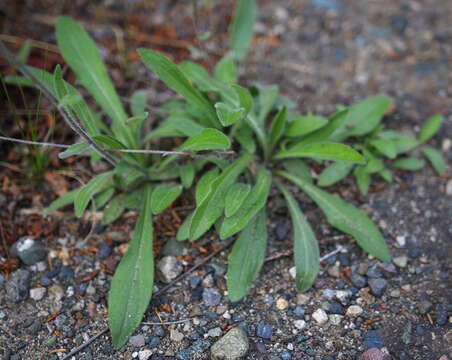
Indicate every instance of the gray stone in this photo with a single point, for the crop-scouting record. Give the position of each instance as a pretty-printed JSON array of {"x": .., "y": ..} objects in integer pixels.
[
  {"x": 144, "y": 354},
  {"x": 215, "y": 332},
  {"x": 17, "y": 288},
  {"x": 28, "y": 250},
  {"x": 173, "y": 247},
  {"x": 378, "y": 286},
  {"x": 400, "y": 261},
  {"x": 37, "y": 293},
  {"x": 137, "y": 340},
  {"x": 211, "y": 297},
  {"x": 232, "y": 346},
  {"x": 358, "y": 280},
  {"x": 425, "y": 306},
  {"x": 169, "y": 268}
]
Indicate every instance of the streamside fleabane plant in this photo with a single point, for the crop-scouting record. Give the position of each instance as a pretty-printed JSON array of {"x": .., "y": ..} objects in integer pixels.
[{"x": 232, "y": 144}]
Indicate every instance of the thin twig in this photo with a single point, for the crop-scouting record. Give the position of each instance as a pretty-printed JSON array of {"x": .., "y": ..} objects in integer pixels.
[
  {"x": 134, "y": 151},
  {"x": 290, "y": 252},
  {"x": 167, "y": 322},
  {"x": 84, "y": 345}
]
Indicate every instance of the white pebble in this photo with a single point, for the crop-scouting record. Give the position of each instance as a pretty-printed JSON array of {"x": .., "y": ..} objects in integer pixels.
[
  {"x": 299, "y": 324},
  {"x": 320, "y": 316},
  {"x": 37, "y": 293},
  {"x": 354, "y": 310}
]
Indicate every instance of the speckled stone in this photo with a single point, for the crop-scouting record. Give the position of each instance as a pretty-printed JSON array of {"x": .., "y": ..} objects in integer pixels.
[{"x": 232, "y": 346}]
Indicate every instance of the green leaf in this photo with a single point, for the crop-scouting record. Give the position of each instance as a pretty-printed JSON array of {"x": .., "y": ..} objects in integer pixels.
[
  {"x": 244, "y": 97},
  {"x": 58, "y": 84},
  {"x": 235, "y": 198},
  {"x": 95, "y": 186},
  {"x": 363, "y": 117},
  {"x": 74, "y": 149},
  {"x": 254, "y": 202},
  {"x": 298, "y": 168},
  {"x": 362, "y": 179},
  {"x": 204, "y": 184},
  {"x": 346, "y": 218},
  {"x": 101, "y": 199},
  {"x": 18, "y": 80},
  {"x": 386, "y": 174},
  {"x": 134, "y": 199},
  {"x": 173, "y": 77},
  {"x": 113, "y": 210},
  {"x": 177, "y": 125},
  {"x": 209, "y": 210},
  {"x": 334, "y": 173},
  {"x": 386, "y": 147},
  {"x": 108, "y": 142},
  {"x": 183, "y": 233},
  {"x": 163, "y": 195},
  {"x": 435, "y": 158},
  {"x": 132, "y": 284},
  {"x": 278, "y": 127},
  {"x": 430, "y": 127},
  {"x": 322, "y": 151},
  {"x": 241, "y": 30},
  {"x": 305, "y": 125},
  {"x": 126, "y": 175},
  {"x": 207, "y": 139},
  {"x": 187, "y": 175},
  {"x": 245, "y": 138},
  {"x": 247, "y": 257},
  {"x": 24, "y": 52},
  {"x": 306, "y": 248},
  {"x": 227, "y": 114},
  {"x": 226, "y": 70},
  {"x": 403, "y": 143},
  {"x": 62, "y": 201},
  {"x": 80, "y": 52},
  {"x": 408, "y": 163},
  {"x": 138, "y": 102},
  {"x": 267, "y": 100}
]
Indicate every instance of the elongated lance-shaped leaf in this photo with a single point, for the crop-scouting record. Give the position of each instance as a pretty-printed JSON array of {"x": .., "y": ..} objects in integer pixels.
[
  {"x": 408, "y": 163},
  {"x": 430, "y": 127},
  {"x": 95, "y": 186},
  {"x": 306, "y": 248},
  {"x": 80, "y": 52},
  {"x": 212, "y": 207},
  {"x": 299, "y": 168},
  {"x": 305, "y": 125},
  {"x": 247, "y": 257},
  {"x": 278, "y": 127},
  {"x": 131, "y": 286},
  {"x": 235, "y": 197},
  {"x": 322, "y": 151},
  {"x": 241, "y": 30},
  {"x": 183, "y": 233},
  {"x": 173, "y": 77},
  {"x": 103, "y": 197},
  {"x": 362, "y": 179},
  {"x": 385, "y": 146},
  {"x": 251, "y": 205},
  {"x": 435, "y": 158},
  {"x": 226, "y": 69},
  {"x": 74, "y": 149},
  {"x": 204, "y": 184},
  {"x": 114, "y": 209},
  {"x": 64, "y": 200},
  {"x": 207, "y": 139},
  {"x": 346, "y": 218},
  {"x": 334, "y": 173},
  {"x": 163, "y": 195}
]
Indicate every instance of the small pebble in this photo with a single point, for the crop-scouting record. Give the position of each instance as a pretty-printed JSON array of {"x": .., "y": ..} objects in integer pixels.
[
  {"x": 441, "y": 315},
  {"x": 37, "y": 293},
  {"x": 320, "y": 316},
  {"x": 282, "y": 304},
  {"x": 372, "y": 340},
  {"x": 137, "y": 340},
  {"x": 176, "y": 335},
  {"x": 144, "y": 354},
  {"x": 335, "y": 308},
  {"x": 354, "y": 311},
  {"x": 358, "y": 280},
  {"x": 400, "y": 261},
  {"x": 264, "y": 331},
  {"x": 211, "y": 297},
  {"x": 375, "y": 354},
  {"x": 378, "y": 286},
  {"x": 374, "y": 273},
  {"x": 299, "y": 324},
  {"x": 215, "y": 332}
]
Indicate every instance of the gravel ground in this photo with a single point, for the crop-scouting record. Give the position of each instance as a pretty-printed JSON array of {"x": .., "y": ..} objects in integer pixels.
[{"x": 321, "y": 53}]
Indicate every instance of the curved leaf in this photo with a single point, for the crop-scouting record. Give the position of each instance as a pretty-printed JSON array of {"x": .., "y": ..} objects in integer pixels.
[
  {"x": 203, "y": 186},
  {"x": 241, "y": 30},
  {"x": 247, "y": 257},
  {"x": 251, "y": 205},
  {"x": 131, "y": 286},
  {"x": 346, "y": 218},
  {"x": 322, "y": 151},
  {"x": 430, "y": 127},
  {"x": 85, "y": 194},
  {"x": 334, "y": 173},
  {"x": 304, "y": 125},
  {"x": 163, "y": 195},
  {"x": 235, "y": 197},
  {"x": 306, "y": 248},
  {"x": 435, "y": 158},
  {"x": 114, "y": 209},
  {"x": 207, "y": 139},
  {"x": 408, "y": 163}
]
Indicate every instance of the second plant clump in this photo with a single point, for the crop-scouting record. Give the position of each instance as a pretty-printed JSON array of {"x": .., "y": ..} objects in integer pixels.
[{"x": 234, "y": 143}]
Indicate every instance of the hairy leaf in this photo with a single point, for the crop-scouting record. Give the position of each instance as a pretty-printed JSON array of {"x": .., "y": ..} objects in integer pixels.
[
  {"x": 114, "y": 209},
  {"x": 304, "y": 125},
  {"x": 247, "y": 257},
  {"x": 254, "y": 202},
  {"x": 95, "y": 186},
  {"x": 362, "y": 179},
  {"x": 322, "y": 151},
  {"x": 241, "y": 30},
  {"x": 103, "y": 198},
  {"x": 334, "y": 173},
  {"x": 298, "y": 168},
  {"x": 207, "y": 139},
  {"x": 385, "y": 146},
  {"x": 163, "y": 195},
  {"x": 235, "y": 197},
  {"x": 435, "y": 158},
  {"x": 430, "y": 127},
  {"x": 183, "y": 233},
  {"x": 74, "y": 149},
  {"x": 212, "y": 207},
  {"x": 131, "y": 286},
  {"x": 187, "y": 175},
  {"x": 226, "y": 69},
  {"x": 227, "y": 114},
  {"x": 306, "y": 248},
  {"x": 64, "y": 200},
  {"x": 346, "y": 218},
  {"x": 203, "y": 186},
  {"x": 408, "y": 163},
  {"x": 278, "y": 127}
]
